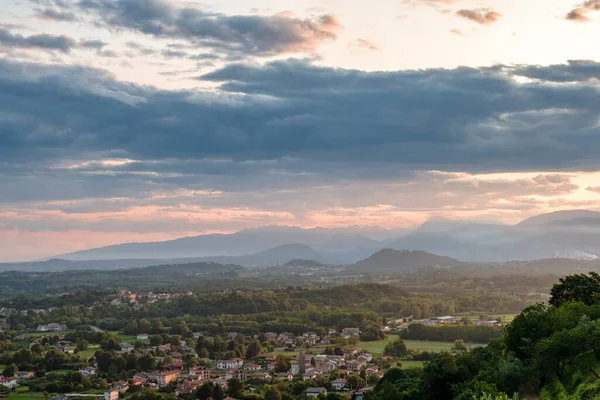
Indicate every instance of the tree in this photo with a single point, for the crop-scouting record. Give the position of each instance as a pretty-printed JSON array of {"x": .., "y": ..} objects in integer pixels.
[
  {"x": 9, "y": 370},
  {"x": 396, "y": 348},
  {"x": 235, "y": 388},
  {"x": 578, "y": 287},
  {"x": 156, "y": 340},
  {"x": 253, "y": 349},
  {"x": 282, "y": 363},
  {"x": 272, "y": 393},
  {"x": 459, "y": 345}
]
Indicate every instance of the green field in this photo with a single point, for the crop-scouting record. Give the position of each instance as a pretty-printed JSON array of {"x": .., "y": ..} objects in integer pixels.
[
  {"x": 90, "y": 351},
  {"x": 377, "y": 346},
  {"x": 60, "y": 371},
  {"x": 436, "y": 347},
  {"x": 412, "y": 364},
  {"x": 130, "y": 338},
  {"x": 421, "y": 345},
  {"x": 26, "y": 396}
]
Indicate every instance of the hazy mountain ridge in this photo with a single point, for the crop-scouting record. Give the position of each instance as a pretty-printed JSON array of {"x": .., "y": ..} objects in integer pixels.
[
  {"x": 568, "y": 234},
  {"x": 398, "y": 260}
]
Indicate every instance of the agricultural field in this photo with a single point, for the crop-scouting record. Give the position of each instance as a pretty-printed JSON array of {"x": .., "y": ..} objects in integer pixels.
[
  {"x": 412, "y": 364},
  {"x": 378, "y": 346},
  {"x": 130, "y": 338},
  {"x": 90, "y": 351},
  {"x": 22, "y": 393}
]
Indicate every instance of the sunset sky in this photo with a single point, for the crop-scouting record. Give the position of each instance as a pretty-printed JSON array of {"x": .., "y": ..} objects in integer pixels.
[{"x": 143, "y": 120}]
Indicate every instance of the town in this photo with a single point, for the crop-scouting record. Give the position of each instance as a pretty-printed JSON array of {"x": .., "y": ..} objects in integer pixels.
[{"x": 51, "y": 353}]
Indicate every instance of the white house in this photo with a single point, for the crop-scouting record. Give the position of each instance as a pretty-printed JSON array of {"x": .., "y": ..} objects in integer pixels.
[
  {"x": 10, "y": 383},
  {"x": 87, "y": 371},
  {"x": 338, "y": 384},
  {"x": 230, "y": 364},
  {"x": 314, "y": 392},
  {"x": 142, "y": 336}
]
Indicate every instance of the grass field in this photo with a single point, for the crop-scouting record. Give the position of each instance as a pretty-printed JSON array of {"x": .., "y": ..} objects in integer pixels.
[
  {"x": 130, "y": 338},
  {"x": 90, "y": 351},
  {"x": 26, "y": 396},
  {"x": 60, "y": 371},
  {"x": 421, "y": 345},
  {"x": 411, "y": 364},
  {"x": 377, "y": 346},
  {"x": 436, "y": 347}
]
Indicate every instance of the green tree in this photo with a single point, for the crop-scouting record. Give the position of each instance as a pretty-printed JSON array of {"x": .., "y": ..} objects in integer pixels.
[
  {"x": 272, "y": 393},
  {"x": 397, "y": 348},
  {"x": 9, "y": 370},
  {"x": 235, "y": 388},
  {"x": 579, "y": 287}
]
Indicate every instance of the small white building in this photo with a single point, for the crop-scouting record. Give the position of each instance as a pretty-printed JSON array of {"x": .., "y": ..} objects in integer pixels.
[
  {"x": 314, "y": 392},
  {"x": 230, "y": 364},
  {"x": 338, "y": 384}
]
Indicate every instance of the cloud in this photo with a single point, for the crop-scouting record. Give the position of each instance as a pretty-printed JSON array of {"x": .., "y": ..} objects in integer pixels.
[
  {"x": 457, "y": 32},
  {"x": 580, "y": 13},
  {"x": 595, "y": 189},
  {"x": 242, "y": 34},
  {"x": 56, "y": 15},
  {"x": 365, "y": 44},
  {"x": 481, "y": 16},
  {"x": 577, "y": 14},
  {"x": 61, "y": 43}
]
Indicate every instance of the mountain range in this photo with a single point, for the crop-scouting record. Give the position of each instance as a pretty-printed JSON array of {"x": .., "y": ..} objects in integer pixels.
[{"x": 571, "y": 234}]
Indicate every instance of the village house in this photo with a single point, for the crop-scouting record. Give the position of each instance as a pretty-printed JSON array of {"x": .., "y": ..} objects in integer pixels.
[
  {"x": 200, "y": 372},
  {"x": 127, "y": 347},
  {"x": 237, "y": 374},
  {"x": 253, "y": 367},
  {"x": 111, "y": 394},
  {"x": 338, "y": 384},
  {"x": 187, "y": 387},
  {"x": 285, "y": 376},
  {"x": 314, "y": 392},
  {"x": 121, "y": 386},
  {"x": 163, "y": 378},
  {"x": 295, "y": 368},
  {"x": 140, "y": 379},
  {"x": 360, "y": 394},
  {"x": 142, "y": 336},
  {"x": 10, "y": 383},
  {"x": 24, "y": 374},
  {"x": 307, "y": 376},
  {"x": 87, "y": 371},
  {"x": 347, "y": 333},
  {"x": 230, "y": 364},
  {"x": 53, "y": 327}
]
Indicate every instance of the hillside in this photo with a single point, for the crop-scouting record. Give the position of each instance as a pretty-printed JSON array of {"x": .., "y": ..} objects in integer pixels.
[{"x": 395, "y": 260}]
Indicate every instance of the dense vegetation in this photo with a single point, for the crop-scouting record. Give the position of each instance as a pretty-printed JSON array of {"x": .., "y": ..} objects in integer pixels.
[{"x": 552, "y": 351}]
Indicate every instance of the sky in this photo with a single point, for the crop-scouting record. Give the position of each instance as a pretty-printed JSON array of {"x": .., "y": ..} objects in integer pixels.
[{"x": 145, "y": 120}]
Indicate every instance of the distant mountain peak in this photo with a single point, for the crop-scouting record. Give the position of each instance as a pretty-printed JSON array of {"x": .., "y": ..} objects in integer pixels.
[
  {"x": 392, "y": 260},
  {"x": 559, "y": 216}
]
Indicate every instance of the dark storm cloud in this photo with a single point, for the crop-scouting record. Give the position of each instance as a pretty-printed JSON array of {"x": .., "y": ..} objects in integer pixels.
[
  {"x": 43, "y": 41},
  {"x": 56, "y": 15},
  {"x": 246, "y": 34},
  {"x": 286, "y": 124}
]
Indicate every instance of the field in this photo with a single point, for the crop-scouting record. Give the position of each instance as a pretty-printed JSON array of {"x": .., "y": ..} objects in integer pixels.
[
  {"x": 23, "y": 394},
  {"x": 90, "y": 351},
  {"x": 421, "y": 345},
  {"x": 411, "y": 364},
  {"x": 130, "y": 338}
]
